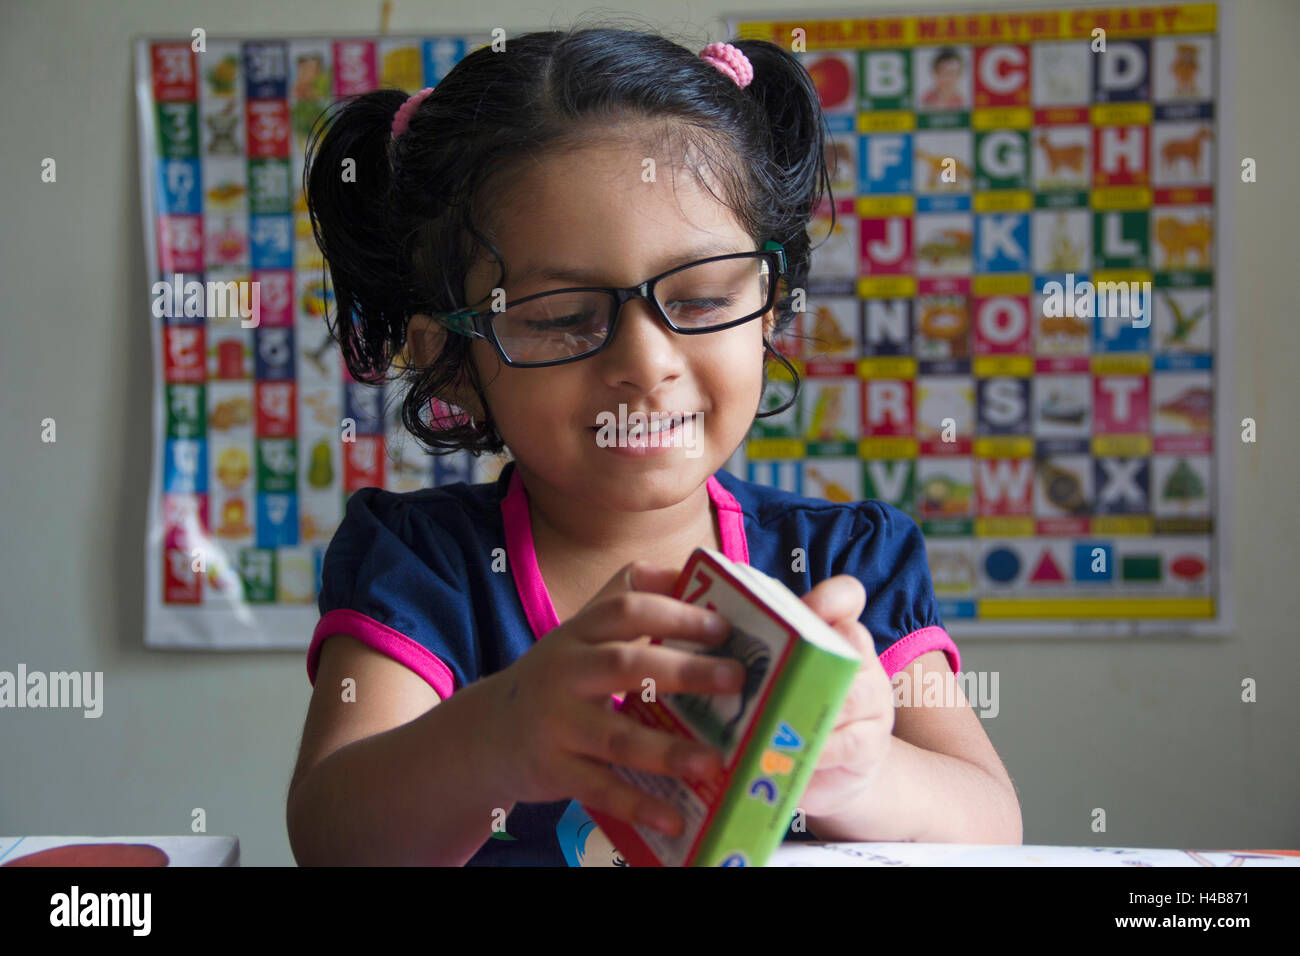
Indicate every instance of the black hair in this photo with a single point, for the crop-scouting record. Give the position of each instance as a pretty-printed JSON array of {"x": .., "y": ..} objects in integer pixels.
[{"x": 400, "y": 238}]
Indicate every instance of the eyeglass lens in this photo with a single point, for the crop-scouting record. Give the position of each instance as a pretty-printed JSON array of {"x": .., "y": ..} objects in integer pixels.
[{"x": 567, "y": 324}]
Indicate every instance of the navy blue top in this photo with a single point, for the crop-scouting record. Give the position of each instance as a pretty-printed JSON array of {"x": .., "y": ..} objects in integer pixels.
[{"x": 445, "y": 581}]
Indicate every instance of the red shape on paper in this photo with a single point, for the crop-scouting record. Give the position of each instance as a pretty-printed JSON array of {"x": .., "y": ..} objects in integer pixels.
[{"x": 95, "y": 854}]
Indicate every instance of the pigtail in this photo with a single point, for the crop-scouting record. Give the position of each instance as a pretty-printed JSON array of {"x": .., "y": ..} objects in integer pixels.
[
  {"x": 347, "y": 180},
  {"x": 788, "y": 97},
  {"x": 796, "y": 175}
]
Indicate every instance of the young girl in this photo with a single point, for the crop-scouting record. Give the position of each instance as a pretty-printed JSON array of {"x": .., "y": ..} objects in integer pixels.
[{"x": 579, "y": 228}]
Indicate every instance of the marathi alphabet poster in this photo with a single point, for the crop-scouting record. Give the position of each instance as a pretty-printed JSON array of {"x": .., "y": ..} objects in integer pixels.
[
  {"x": 251, "y": 469},
  {"x": 1014, "y": 330}
]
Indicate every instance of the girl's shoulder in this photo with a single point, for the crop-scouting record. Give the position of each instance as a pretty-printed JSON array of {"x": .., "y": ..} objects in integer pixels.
[{"x": 447, "y": 517}]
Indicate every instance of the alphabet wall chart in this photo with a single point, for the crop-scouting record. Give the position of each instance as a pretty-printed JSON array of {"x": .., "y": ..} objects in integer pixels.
[
  {"x": 251, "y": 467},
  {"x": 1015, "y": 330}
]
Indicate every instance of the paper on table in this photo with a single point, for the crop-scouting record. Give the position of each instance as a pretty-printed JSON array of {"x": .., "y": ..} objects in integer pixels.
[{"x": 973, "y": 854}]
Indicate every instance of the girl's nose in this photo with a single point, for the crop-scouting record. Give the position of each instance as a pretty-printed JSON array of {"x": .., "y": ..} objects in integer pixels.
[
  {"x": 644, "y": 347},
  {"x": 639, "y": 320}
]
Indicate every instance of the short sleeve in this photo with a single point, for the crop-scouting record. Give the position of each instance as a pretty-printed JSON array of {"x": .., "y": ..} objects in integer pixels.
[
  {"x": 394, "y": 579},
  {"x": 887, "y": 554}
]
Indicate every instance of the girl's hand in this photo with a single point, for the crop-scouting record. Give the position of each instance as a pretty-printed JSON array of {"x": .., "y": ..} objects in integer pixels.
[
  {"x": 556, "y": 727},
  {"x": 857, "y": 746}
]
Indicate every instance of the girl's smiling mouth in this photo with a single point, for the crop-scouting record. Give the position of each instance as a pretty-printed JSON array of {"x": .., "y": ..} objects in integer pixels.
[
  {"x": 648, "y": 426},
  {"x": 647, "y": 433}
]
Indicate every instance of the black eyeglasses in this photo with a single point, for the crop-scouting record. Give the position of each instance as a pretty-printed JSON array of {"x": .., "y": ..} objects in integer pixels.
[{"x": 565, "y": 325}]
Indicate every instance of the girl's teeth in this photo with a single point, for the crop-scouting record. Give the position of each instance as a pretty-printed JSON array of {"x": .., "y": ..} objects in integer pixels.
[{"x": 651, "y": 429}]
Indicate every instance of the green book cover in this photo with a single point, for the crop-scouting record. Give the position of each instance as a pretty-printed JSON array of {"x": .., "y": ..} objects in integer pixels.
[{"x": 798, "y": 674}]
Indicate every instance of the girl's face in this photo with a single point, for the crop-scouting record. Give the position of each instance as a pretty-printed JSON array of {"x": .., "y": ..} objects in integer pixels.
[{"x": 592, "y": 212}]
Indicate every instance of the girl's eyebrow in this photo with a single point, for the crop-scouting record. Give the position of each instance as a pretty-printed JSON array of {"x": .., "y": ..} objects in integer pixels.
[{"x": 591, "y": 277}]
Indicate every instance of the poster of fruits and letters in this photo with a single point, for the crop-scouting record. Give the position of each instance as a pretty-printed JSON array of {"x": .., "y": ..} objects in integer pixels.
[
  {"x": 251, "y": 465},
  {"x": 1015, "y": 329},
  {"x": 1013, "y": 332}
]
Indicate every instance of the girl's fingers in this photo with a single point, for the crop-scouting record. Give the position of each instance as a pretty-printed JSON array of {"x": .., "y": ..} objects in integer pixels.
[
  {"x": 605, "y": 736},
  {"x": 823, "y": 785},
  {"x": 645, "y": 577},
  {"x": 620, "y": 666},
  {"x": 856, "y": 633},
  {"x": 638, "y": 576},
  {"x": 599, "y": 788},
  {"x": 627, "y": 615},
  {"x": 846, "y": 746},
  {"x": 863, "y": 699},
  {"x": 841, "y": 598},
  {"x": 871, "y": 693}
]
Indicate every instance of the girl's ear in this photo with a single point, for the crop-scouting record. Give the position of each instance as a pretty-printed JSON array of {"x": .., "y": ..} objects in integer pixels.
[{"x": 424, "y": 339}]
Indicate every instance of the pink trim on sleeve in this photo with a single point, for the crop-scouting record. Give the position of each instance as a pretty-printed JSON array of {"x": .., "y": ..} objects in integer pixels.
[
  {"x": 384, "y": 639},
  {"x": 731, "y": 522},
  {"x": 907, "y": 649}
]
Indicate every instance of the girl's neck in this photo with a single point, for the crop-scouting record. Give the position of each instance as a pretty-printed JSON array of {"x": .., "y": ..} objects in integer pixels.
[{"x": 569, "y": 531}]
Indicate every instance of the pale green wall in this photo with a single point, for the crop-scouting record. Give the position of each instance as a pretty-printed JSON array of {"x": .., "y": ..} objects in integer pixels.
[{"x": 1152, "y": 731}]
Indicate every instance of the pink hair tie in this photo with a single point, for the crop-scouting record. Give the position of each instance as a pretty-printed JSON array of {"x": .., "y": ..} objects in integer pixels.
[
  {"x": 402, "y": 118},
  {"x": 730, "y": 61}
]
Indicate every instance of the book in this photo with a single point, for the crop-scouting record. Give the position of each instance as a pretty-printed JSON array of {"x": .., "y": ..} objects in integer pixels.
[{"x": 798, "y": 673}]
